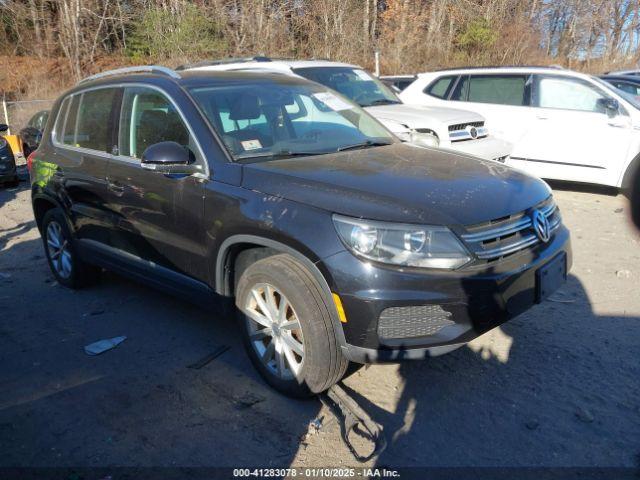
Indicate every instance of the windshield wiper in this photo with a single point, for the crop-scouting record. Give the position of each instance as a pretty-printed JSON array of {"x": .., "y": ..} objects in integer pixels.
[
  {"x": 383, "y": 101},
  {"x": 279, "y": 154},
  {"x": 367, "y": 144}
]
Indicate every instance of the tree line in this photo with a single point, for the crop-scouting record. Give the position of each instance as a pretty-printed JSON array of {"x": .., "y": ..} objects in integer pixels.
[{"x": 411, "y": 35}]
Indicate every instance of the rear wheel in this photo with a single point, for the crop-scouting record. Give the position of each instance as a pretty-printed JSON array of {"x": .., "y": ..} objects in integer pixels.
[
  {"x": 287, "y": 327},
  {"x": 61, "y": 252}
]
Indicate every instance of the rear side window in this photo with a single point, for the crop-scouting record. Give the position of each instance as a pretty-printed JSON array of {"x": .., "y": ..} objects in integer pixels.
[
  {"x": 440, "y": 88},
  {"x": 94, "y": 114},
  {"x": 148, "y": 117},
  {"x": 496, "y": 89},
  {"x": 68, "y": 135},
  {"x": 62, "y": 113}
]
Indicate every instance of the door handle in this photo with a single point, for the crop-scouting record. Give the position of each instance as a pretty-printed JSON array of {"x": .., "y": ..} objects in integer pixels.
[{"x": 542, "y": 117}]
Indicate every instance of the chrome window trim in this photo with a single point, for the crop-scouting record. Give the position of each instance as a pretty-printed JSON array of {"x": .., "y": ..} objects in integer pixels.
[{"x": 203, "y": 164}]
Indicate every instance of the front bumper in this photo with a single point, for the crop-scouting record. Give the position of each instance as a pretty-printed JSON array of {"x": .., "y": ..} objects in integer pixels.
[
  {"x": 488, "y": 148},
  {"x": 474, "y": 299}
]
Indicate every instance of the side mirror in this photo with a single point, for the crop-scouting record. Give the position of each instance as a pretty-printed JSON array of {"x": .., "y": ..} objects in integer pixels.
[
  {"x": 610, "y": 106},
  {"x": 169, "y": 157},
  {"x": 4, "y": 127}
]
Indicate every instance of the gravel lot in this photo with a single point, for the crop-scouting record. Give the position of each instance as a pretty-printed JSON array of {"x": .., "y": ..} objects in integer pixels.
[{"x": 557, "y": 386}]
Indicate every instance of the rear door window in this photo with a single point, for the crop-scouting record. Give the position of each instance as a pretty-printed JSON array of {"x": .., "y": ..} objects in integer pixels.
[
  {"x": 498, "y": 89},
  {"x": 93, "y": 125}
]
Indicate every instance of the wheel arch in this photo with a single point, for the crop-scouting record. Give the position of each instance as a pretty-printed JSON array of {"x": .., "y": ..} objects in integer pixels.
[
  {"x": 236, "y": 244},
  {"x": 41, "y": 204}
]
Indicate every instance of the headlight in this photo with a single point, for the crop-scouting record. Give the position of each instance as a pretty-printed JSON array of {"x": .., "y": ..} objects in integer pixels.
[
  {"x": 427, "y": 139},
  {"x": 402, "y": 244}
]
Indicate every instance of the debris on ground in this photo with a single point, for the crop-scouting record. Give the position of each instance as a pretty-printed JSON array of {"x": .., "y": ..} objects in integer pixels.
[
  {"x": 584, "y": 415},
  {"x": 313, "y": 428},
  {"x": 101, "y": 346},
  {"x": 623, "y": 273},
  {"x": 209, "y": 358},
  {"x": 355, "y": 420},
  {"x": 248, "y": 400},
  {"x": 532, "y": 424}
]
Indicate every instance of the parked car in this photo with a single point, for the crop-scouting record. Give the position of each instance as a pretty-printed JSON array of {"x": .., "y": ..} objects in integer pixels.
[
  {"x": 626, "y": 83},
  {"x": 336, "y": 241},
  {"x": 8, "y": 171},
  {"x": 624, "y": 72},
  {"x": 31, "y": 134},
  {"x": 458, "y": 130},
  {"x": 564, "y": 125},
  {"x": 398, "y": 82}
]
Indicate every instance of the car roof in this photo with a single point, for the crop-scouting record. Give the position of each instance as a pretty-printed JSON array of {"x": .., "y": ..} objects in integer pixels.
[
  {"x": 262, "y": 64},
  {"x": 408, "y": 76},
  {"x": 504, "y": 68},
  {"x": 185, "y": 78},
  {"x": 555, "y": 70}
]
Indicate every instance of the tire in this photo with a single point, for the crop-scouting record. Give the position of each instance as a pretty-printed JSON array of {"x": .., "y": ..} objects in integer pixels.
[
  {"x": 67, "y": 266},
  {"x": 627, "y": 179},
  {"x": 316, "y": 363}
]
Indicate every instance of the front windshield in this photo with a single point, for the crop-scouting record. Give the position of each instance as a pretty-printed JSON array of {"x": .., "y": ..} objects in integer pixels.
[
  {"x": 353, "y": 83},
  {"x": 632, "y": 99},
  {"x": 271, "y": 120}
]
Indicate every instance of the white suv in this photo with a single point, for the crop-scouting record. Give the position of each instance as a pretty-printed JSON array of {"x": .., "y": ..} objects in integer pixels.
[
  {"x": 453, "y": 129},
  {"x": 564, "y": 125}
]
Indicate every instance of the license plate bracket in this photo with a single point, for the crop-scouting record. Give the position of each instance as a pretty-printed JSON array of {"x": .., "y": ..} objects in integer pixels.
[{"x": 551, "y": 276}]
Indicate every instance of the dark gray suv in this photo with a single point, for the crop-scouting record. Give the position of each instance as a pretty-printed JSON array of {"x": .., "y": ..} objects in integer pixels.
[{"x": 337, "y": 242}]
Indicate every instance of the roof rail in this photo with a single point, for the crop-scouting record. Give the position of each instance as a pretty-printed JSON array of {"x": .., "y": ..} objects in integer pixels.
[
  {"x": 138, "y": 69},
  {"x": 224, "y": 61},
  {"x": 479, "y": 67}
]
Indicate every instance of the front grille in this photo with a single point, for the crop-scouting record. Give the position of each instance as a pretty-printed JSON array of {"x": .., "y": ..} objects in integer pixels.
[
  {"x": 509, "y": 235},
  {"x": 414, "y": 321},
  {"x": 462, "y": 126}
]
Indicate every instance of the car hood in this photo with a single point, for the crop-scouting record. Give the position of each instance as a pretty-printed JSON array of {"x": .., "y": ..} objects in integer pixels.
[
  {"x": 400, "y": 183},
  {"x": 415, "y": 116}
]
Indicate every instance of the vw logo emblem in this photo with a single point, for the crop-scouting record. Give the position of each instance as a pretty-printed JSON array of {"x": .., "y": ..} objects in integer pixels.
[
  {"x": 541, "y": 225},
  {"x": 473, "y": 131}
]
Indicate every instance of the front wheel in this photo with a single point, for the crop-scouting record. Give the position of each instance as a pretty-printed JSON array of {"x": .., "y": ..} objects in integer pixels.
[{"x": 287, "y": 327}]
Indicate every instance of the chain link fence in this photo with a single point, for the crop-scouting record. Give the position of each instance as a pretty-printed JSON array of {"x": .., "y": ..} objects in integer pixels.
[{"x": 16, "y": 114}]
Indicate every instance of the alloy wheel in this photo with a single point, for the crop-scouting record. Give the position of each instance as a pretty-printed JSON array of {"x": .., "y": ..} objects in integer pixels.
[
  {"x": 274, "y": 330},
  {"x": 58, "y": 249}
]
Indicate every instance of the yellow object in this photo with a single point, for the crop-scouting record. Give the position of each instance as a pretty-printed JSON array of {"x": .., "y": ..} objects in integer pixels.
[
  {"x": 15, "y": 143},
  {"x": 338, "y": 302}
]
